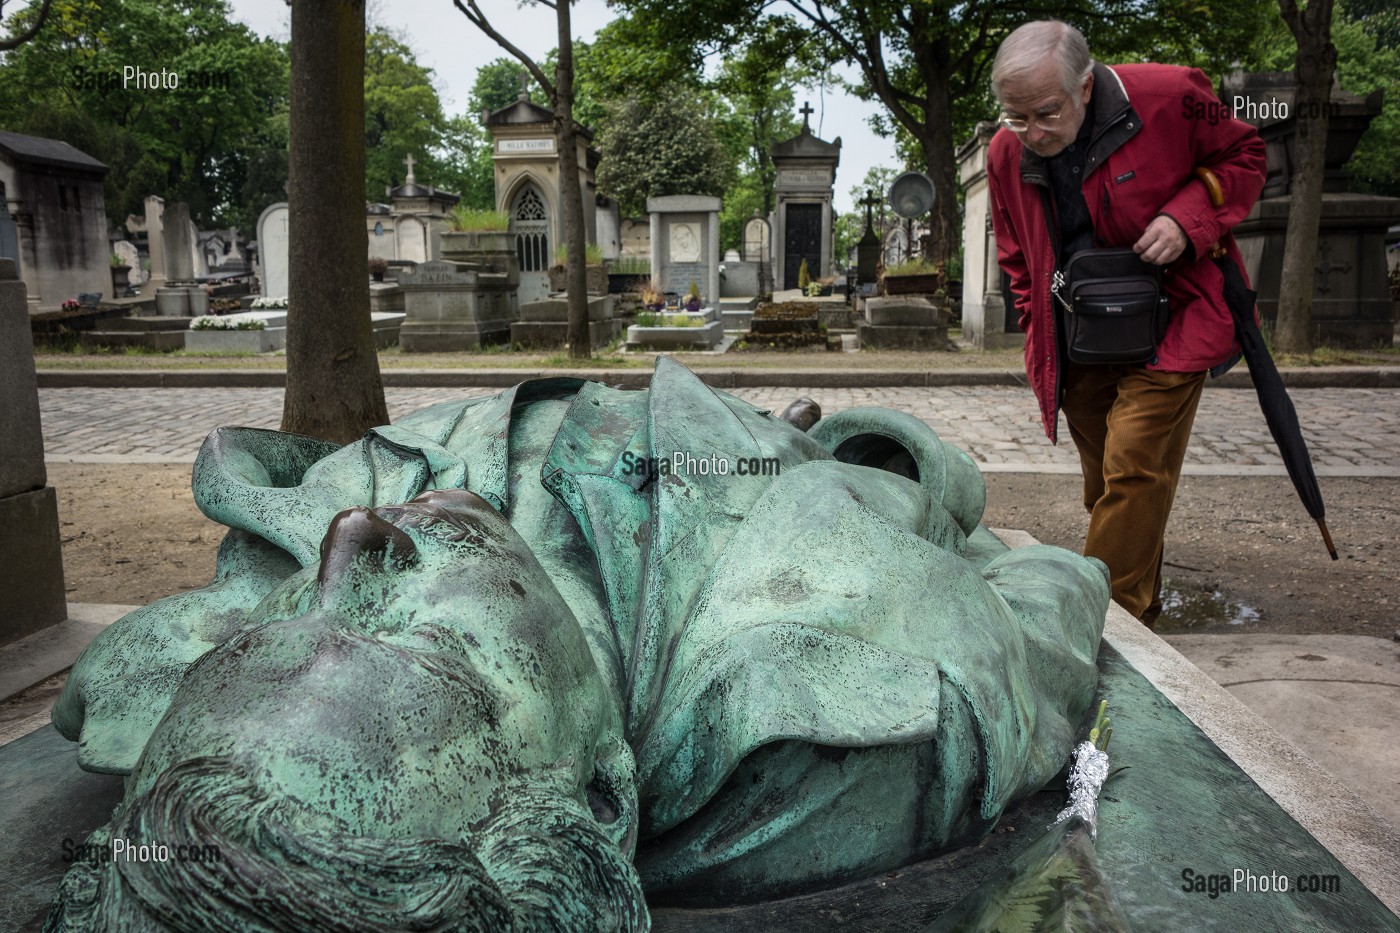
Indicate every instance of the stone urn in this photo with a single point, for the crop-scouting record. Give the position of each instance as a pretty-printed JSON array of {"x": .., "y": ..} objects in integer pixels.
[{"x": 121, "y": 280}]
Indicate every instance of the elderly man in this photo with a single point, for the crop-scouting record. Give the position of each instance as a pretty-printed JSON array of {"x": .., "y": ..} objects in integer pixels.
[{"x": 1115, "y": 149}]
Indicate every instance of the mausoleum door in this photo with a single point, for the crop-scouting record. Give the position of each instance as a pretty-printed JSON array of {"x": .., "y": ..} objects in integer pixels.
[
  {"x": 802, "y": 239},
  {"x": 531, "y": 223}
]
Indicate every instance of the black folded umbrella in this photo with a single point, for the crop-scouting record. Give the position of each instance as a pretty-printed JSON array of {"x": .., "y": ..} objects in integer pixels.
[{"x": 1278, "y": 408}]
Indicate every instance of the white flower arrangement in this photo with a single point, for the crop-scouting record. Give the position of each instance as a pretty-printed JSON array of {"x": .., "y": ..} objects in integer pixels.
[
  {"x": 270, "y": 304},
  {"x": 218, "y": 322}
]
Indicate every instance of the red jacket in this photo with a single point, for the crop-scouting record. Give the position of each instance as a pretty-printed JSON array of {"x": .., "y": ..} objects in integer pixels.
[{"x": 1152, "y": 125}]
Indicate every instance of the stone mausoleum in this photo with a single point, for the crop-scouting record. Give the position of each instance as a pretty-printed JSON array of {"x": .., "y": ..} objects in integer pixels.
[
  {"x": 408, "y": 227},
  {"x": 528, "y": 187},
  {"x": 53, "y": 219},
  {"x": 802, "y": 220}
]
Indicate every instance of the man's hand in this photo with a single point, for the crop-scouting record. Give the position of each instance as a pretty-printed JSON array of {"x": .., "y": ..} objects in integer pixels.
[{"x": 1163, "y": 241}]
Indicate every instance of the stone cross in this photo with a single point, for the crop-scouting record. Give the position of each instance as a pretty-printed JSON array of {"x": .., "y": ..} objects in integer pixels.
[
  {"x": 408, "y": 160},
  {"x": 1325, "y": 267},
  {"x": 869, "y": 201},
  {"x": 524, "y": 85},
  {"x": 806, "y": 112}
]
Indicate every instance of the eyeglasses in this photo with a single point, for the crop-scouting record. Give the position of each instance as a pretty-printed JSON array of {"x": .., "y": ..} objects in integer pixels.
[{"x": 1049, "y": 121}]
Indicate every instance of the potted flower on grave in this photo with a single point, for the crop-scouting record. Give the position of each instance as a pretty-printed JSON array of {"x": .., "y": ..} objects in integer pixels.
[
  {"x": 652, "y": 298},
  {"x": 804, "y": 277},
  {"x": 121, "y": 273},
  {"x": 691, "y": 301},
  {"x": 377, "y": 267}
]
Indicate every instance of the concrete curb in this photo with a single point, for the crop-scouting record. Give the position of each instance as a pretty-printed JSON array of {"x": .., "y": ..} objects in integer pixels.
[
  {"x": 1345, "y": 377},
  {"x": 1359, "y": 837}
]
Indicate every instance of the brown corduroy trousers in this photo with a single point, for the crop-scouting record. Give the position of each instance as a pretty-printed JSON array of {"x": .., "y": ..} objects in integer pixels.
[{"x": 1131, "y": 426}]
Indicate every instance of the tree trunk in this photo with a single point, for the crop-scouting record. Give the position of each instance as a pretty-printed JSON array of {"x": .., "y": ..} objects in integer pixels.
[
  {"x": 333, "y": 385},
  {"x": 571, "y": 189},
  {"x": 1317, "y": 60},
  {"x": 945, "y": 227}
]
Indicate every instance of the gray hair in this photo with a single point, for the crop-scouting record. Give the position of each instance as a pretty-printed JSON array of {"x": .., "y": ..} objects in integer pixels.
[{"x": 1033, "y": 43}]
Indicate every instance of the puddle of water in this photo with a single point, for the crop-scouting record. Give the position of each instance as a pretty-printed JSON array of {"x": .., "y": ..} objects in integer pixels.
[{"x": 1189, "y": 608}]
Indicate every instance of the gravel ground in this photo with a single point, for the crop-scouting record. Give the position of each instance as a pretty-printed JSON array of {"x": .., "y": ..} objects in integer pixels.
[{"x": 1242, "y": 555}]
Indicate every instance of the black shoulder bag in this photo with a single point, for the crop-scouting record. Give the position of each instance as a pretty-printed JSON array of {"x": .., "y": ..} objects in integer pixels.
[{"x": 1115, "y": 308}]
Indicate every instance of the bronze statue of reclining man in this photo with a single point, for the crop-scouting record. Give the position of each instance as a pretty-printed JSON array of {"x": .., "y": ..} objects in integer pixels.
[{"x": 471, "y": 673}]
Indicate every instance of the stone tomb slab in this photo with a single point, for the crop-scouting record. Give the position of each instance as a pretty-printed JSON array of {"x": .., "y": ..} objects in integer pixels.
[
  {"x": 903, "y": 323},
  {"x": 449, "y": 309},
  {"x": 545, "y": 323}
]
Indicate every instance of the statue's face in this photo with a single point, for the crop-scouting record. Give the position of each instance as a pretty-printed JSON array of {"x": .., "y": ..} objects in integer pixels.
[{"x": 426, "y": 667}]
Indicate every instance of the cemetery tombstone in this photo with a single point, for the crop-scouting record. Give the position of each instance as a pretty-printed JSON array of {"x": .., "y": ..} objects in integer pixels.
[
  {"x": 685, "y": 245},
  {"x": 180, "y": 296},
  {"x": 31, "y": 565},
  {"x": 986, "y": 323},
  {"x": 198, "y": 263},
  {"x": 451, "y": 309},
  {"x": 868, "y": 249},
  {"x": 155, "y": 242},
  {"x": 758, "y": 249},
  {"x": 806, "y": 177},
  {"x": 740, "y": 278},
  {"x": 273, "y": 244}
]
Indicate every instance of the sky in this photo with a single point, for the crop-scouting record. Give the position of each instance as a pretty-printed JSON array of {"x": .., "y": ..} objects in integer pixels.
[{"x": 446, "y": 42}]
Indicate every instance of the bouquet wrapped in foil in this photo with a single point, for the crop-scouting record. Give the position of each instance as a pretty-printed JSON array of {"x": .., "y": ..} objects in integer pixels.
[{"x": 1056, "y": 884}]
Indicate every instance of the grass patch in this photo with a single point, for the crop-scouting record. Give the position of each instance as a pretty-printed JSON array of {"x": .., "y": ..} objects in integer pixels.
[
  {"x": 630, "y": 265},
  {"x": 914, "y": 267},
  {"x": 469, "y": 220},
  {"x": 650, "y": 319},
  {"x": 592, "y": 255},
  {"x": 564, "y": 361}
]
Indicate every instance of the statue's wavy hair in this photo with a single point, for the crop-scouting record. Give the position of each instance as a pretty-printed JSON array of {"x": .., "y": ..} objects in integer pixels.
[{"x": 541, "y": 864}]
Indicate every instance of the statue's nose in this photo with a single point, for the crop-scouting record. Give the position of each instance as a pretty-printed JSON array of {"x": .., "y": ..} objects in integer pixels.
[{"x": 357, "y": 535}]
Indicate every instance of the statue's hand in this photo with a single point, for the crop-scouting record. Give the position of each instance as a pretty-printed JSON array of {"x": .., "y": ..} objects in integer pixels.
[{"x": 122, "y": 683}]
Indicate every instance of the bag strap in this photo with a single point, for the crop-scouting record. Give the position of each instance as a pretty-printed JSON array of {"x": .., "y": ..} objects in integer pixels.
[{"x": 1057, "y": 278}]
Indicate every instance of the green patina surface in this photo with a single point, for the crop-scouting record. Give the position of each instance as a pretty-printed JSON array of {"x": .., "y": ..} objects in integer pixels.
[
  {"x": 477, "y": 669},
  {"x": 1152, "y": 818}
]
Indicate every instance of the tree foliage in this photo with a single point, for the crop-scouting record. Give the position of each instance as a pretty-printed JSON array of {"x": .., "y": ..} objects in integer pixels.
[
  {"x": 928, "y": 63},
  {"x": 195, "y": 143},
  {"x": 653, "y": 151},
  {"x": 1367, "y": 37},
  {"x": 403, "y": 115}
]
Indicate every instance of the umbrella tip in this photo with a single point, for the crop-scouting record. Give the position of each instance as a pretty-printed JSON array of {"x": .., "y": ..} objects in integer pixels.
[{"x": 1327, "y": 538}]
